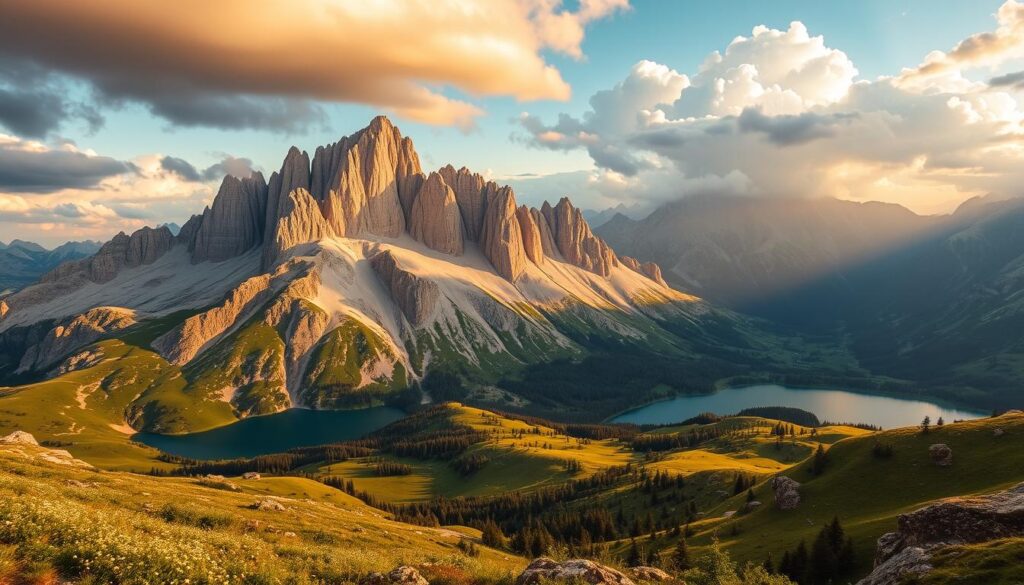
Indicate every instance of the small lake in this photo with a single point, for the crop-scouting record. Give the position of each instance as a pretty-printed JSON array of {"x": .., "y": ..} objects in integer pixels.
[
  {"x": 274, "y": 433},
  {"x": 829, "y": 405}
]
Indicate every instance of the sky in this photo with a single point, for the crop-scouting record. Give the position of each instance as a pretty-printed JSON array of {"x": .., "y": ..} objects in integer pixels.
[{"x": 116, "y": 114}]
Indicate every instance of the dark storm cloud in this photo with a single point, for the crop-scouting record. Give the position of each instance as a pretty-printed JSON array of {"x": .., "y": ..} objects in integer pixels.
[
  {"x": 789, "y": 130},
  {"x": 229, "y": 165},
  {"x": 45, "y": 171}
]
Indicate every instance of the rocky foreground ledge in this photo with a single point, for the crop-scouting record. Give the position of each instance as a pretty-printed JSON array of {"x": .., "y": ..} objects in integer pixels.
[{"x": 953, "y": 521}]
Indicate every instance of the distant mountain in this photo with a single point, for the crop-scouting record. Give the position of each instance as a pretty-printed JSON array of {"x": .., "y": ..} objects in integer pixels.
[
  {"x": 933, "y": 299},
  {"x": 22, "y": 263},
  {"x": 172, "y": 227},
  {"x": 598, "y": 218},
  {"x": 356, "y": 278}
]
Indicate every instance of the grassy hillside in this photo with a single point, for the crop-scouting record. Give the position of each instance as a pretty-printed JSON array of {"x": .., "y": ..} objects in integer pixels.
[
  {"x": 100, "y": 527},
  {"x": 867, "y": 492}
]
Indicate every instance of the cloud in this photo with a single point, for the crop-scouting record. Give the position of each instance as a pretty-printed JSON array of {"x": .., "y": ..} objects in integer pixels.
[
  {"x": 229, "y": 165},
  {"x": 789, "y": 130},
  {"x": 780, "y": 113},
  {"x": 34, "y": 102},
  {"x": 267, "y": 65},
  {"x": 81, "y": 202},
  {"x": 986, "y": 49},
  {"x": 32, "y": 167}
]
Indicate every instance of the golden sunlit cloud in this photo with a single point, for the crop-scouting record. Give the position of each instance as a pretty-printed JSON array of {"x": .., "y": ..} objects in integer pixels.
[{"x": 183, "y": 58}]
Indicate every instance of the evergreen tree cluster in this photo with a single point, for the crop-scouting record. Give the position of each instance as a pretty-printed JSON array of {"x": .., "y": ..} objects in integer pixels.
[{"x": 830, "y": 559}]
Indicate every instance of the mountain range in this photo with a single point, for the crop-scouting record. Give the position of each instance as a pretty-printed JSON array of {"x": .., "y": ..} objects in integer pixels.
[
  {"x": 930, "y": 299},
  {"x": 353, "y": 278},
  {"x": 22, "y": 263}
]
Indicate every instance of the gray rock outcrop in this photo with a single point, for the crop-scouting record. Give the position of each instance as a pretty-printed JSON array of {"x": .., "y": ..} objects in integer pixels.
[
  {"x": 941, "y": 455},
  {"x": 184, "y": 342},
  {"x": 417, "y": 297},
  {"x": 435, "y": 219},
  {"x": 575, "y": 571},
  {"x": 74, "y": 333},
  {"x": 953, "y": 521},
  {"x": 787, "y": 492},
  {"x": 649, "y": 574}
]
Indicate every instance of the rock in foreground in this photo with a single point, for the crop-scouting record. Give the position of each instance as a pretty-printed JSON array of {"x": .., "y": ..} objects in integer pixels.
[
  {"x": 962, "y": 520},
  {"x": 576, "y": 570}
]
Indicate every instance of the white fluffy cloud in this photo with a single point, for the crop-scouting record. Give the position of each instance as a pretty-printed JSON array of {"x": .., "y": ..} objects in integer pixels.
[{"x": 780, "y": 113}]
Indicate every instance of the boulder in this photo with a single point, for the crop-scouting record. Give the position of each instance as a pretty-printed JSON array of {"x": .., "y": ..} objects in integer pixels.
[
  {"x": 953, "y": 521},
  {"x": 575, "y": 570},
  {"x": 998, "y": 433},
  {"x": 909, "y": 561},
  {"x": 787, "y": 492},
  {"x": 750, "y": 507},
  {"x": 18, "y": 438},
  {"x": 941, "y": 455},
  {"x": 250, "y": 475},
  {"x": 268, "y": 505},
  {"x": 649, "y": 574},
  {"x": 402, "y": 575}
]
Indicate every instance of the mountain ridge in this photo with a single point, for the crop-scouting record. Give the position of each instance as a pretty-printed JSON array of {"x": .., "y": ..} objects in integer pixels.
[{"x": 343, "y": 281}]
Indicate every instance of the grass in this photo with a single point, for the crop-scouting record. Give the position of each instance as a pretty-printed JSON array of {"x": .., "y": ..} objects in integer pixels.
[
  {"x": 868, "y": 493},
  {"x": 999, "y": 562},
  {"x": 119, "y": 527}
]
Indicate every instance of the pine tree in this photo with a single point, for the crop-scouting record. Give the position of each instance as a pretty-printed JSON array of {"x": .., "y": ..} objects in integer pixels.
[
  {"x": 492, "y": 535},
  {"x": 634, "y": 559},
  {"x": 681, "y": 556},
  {"x": 820, "y": 460},
  {"x": 925, "y": 424}
]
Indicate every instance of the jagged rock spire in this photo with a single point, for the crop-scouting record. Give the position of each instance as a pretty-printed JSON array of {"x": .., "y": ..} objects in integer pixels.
[
  {"x": 502, "y": 239},
  {"x": 235, "y": 222},
  {"x": 575, "y": 241},
  {"x": 366, "y": 173},
  {"x": 435, "y": 219}
]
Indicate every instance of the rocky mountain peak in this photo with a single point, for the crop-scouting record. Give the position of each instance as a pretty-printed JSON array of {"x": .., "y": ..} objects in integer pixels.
[{"x": 435, "y": 219}]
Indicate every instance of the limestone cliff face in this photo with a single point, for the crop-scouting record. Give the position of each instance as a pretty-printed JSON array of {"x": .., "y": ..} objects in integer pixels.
[
  {"x": 294, "y": 174},
  {"x": 502, "y": 239},
  {"x": 234, "y": 223},
  {"x": 575, "y": 241},
  {"x": 358, "y": 180},
  {"x": 74, "y": 333},
  {"x": 299, "y": 323},
  {"x": 435, "y": 219},
  {"x": 184, "y": 342},
  {"x": 547, "y": 240},
  {"x": 416, "y": 297},
  {"x": 532, "y": 244},
  {"x": 472, "y": 193},
  {"x": 300, "y": 222}
]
